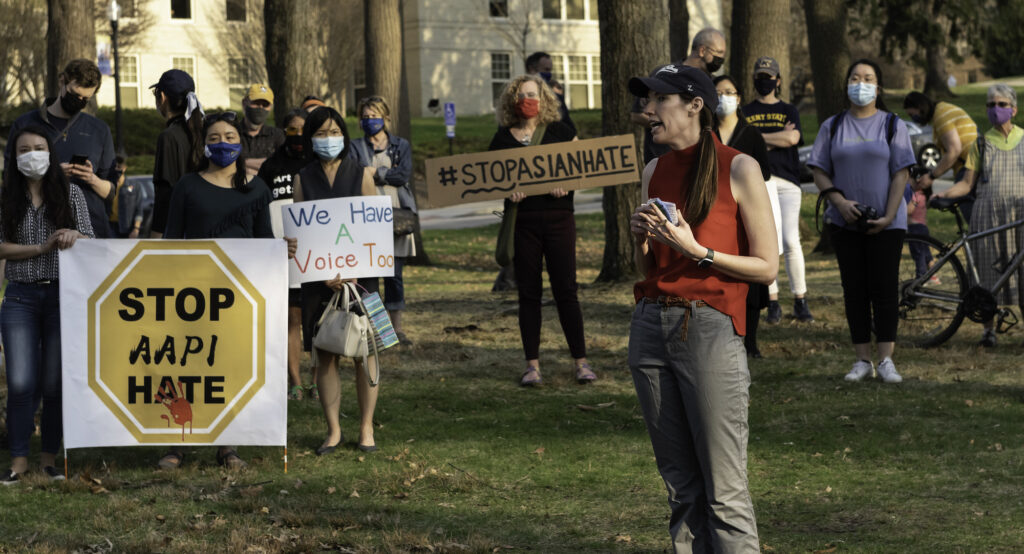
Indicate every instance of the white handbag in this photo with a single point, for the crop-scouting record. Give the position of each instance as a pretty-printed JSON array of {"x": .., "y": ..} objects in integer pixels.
[{"x": 341, "y": 331}]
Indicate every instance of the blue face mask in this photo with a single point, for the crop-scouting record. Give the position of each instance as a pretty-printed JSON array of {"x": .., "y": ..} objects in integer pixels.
[
  {"x": 372, "y": 125},
  {"x": 328, "y": 148},
  {"x": 223, "y": 154},
  {"x": 862, "y": 94},
  {"x": 546, "y": 75}
]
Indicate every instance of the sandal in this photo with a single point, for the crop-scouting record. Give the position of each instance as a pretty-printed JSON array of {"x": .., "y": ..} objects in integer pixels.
[
  {"x": 230, "y": 459},
  {"x": 171, "y": 461},
  {"x": 314, "y": 392},
  {"x": 584, "y": 374},
  {"x": 531, "y": 377},
  {"x": 295, "y": 393}
]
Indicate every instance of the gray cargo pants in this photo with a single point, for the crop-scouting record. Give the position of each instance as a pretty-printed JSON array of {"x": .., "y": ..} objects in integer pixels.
[{"x": 690, "y": 372}]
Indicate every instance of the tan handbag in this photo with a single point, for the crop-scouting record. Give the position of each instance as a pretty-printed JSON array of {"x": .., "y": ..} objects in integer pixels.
[{"x": 341, "y": 331}]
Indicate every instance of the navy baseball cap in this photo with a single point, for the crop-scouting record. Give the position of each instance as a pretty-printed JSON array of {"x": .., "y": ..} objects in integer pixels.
[
  {"x": 677, "y": 79},
  {"x": 175, "y": 82},
  {"x": 766, "y": 64}
]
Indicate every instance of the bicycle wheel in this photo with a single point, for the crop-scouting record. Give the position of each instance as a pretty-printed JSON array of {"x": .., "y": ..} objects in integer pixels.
[{"x": 930, "y": 308}]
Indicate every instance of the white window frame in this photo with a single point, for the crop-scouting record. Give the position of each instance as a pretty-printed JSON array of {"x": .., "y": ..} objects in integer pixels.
[
  {"x": 593, "y": 78},
  {"x": 195, "y": 62},
  {"x": 191, "y": 13},
  {"x": 490, "y": 66},
  {"x": 137, "y": 83},
  {"x": 564, "y": 10}
]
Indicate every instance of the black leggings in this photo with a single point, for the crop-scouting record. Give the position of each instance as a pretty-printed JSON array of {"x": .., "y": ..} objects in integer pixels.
[
  {"x": 547, "y": 236},
  {"x": 869, "y": 269}
]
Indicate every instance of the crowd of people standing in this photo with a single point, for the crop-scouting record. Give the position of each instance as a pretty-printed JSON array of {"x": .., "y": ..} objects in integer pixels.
[{"x": 709, "y": 267}]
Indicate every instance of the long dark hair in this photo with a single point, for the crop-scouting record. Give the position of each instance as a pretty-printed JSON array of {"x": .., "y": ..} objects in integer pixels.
[
  {"x": 704, "y": 191},
  {"x": 239, "y": 180},
  {"x": 193, "y": 125},
  {"x": 879, "y": 101},
  {"x": 315, "y": 120},
  {"x": 739, "y": 110},
  {"x": 56, "y": 191}
]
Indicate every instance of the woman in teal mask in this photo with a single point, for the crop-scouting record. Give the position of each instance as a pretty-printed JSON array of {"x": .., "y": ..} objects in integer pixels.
[
  {"x": 390, "y": 157},
  {"x": 334, "y": 173}
]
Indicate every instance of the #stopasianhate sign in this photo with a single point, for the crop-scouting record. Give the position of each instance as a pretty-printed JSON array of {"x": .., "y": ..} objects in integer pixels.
[
  {"x": 172, "y": 342},
  {"x": 599, "y": 162},
  {"x": 352, "y": 237}
]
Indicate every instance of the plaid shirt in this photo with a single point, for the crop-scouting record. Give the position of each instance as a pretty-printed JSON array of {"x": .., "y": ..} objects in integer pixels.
[{"x": 36, "y": 228}]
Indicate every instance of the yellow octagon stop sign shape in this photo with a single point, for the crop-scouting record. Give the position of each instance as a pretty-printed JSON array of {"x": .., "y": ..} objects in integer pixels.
[{"x": 176, "y": 342}]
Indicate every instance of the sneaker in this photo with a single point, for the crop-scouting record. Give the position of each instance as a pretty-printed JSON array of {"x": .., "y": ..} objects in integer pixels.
[
  {"x": 774, "y": 312},
  {"x": 988, "y": 338},
  {"x": 10, "y": 478},
  {"x": 801, "y": 311},
  {"x": 53, "y": 474},
  {"x": 887, "y": 371},
  {"x": 861, "y": 369}
]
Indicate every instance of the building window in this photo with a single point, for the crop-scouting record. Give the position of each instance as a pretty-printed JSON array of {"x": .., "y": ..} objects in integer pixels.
[
  {"x": 580, "y": 78},
  {"x": 567, "y": 10},
  {"x": 238, "y": 80},
  {"x": 181, "y": 9},
  {"x": 236, "y": 10},
  {"x": 129, "y": 76},
  {"x": 129, "y": 8},
  {"x": 184, "y": 63},
  {"x": 498, "y": 8},
  {"x": 501, "y": 73}
]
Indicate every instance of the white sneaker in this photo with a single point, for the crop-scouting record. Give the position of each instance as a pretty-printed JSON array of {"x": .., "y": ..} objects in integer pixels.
[
  {"x": 887, "y": 371},
  {"x": 861, "y": 369}
]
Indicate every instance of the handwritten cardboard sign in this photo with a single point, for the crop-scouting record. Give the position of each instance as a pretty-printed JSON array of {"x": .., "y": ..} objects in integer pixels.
[
  {"x": 599, "y": 162},
  {"x": 353, "y": 237}
]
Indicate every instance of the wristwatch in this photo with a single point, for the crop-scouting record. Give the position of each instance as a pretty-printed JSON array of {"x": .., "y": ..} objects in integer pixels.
[{"x": 707, "y": 260}]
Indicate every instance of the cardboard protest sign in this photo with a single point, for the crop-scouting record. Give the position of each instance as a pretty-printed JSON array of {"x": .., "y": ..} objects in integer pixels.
[
  {"x": 599, "y": 162},
  {"x": 174, "y": 342},
  {"x": 353, "y": 237}
]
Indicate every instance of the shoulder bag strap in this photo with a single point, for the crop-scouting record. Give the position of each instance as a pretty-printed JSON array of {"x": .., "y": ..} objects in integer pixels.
[
  {"x": 372, "y": 339},
  {"x": 538, "y": 135}
]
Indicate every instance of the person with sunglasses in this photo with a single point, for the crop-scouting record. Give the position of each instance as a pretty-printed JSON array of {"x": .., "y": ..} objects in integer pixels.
[
  {"x": 82, "y": 143},
  {"x": 993, "y": 171},
  {"x": 219, "y": 201},
  {"x": 179, "y": 147},
  {"x": 278, "y": 172}
]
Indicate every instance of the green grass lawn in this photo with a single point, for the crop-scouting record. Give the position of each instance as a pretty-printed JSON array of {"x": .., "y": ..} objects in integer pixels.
[{"x": 470, "y": 462}]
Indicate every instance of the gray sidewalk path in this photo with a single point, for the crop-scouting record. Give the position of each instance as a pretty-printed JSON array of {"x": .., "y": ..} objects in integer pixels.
[{"x": 479, "y": 214}]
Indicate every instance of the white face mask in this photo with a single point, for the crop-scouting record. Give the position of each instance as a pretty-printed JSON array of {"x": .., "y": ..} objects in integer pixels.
[
  {"x": 727, "y": 104},
  {"x": 34, "y": 164}
]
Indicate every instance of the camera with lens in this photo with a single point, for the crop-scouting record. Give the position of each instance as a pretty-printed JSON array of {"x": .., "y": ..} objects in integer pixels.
[
  {"x": 918, "y": 171},
  {"x": 866, "y": 213}
]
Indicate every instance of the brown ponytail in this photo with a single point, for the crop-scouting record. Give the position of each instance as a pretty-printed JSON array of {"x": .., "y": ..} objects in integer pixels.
[{"x": 702, "y": 194}]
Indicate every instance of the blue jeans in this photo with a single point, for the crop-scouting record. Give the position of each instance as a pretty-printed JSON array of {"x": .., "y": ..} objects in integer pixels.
[{"x": 30, "y": 324}]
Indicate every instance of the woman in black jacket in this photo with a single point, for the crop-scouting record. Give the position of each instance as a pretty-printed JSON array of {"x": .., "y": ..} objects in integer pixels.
[{"x": 734, "y": 132}]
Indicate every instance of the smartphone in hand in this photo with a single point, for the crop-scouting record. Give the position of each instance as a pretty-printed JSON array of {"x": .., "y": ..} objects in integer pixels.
[
  {"x": 79, "y": 159},
  {"x": 666, "y": 208}
]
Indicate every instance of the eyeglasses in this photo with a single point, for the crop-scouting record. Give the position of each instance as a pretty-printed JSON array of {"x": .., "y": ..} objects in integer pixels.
[
  {"x": 728, "y": 93},
  {"x": 1000, "y": 104}
]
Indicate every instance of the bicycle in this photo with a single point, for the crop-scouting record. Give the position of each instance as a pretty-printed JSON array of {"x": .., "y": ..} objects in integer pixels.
[{"x": 935, "y": 299}]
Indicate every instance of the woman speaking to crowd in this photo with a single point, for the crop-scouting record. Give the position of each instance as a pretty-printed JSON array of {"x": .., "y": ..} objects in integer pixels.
[{"x": 686, "y": 349}]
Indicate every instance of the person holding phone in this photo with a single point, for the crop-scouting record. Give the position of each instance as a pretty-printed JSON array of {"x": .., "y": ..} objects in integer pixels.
[{"x": 82, "y": 144}]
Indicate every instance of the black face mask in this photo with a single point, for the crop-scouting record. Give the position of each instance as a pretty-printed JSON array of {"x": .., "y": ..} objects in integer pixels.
[
  {"x": 764, "y": 87},
  {"x": 294, "y": 144},
  {"x": 72, "y": 103},
  {"x": 715, "y": 64},
  {"x": 256, "y": 116},
  {"x": 919, "y": 119}
]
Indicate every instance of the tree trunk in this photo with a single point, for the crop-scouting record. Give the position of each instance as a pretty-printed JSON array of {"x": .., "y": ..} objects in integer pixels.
[
  {"x": 634, "y": 39},
  {"x": 383, "y": 32},
  {"x": 70, "y": 35},
  {"x": 830, "y": 54},
  {"x": 750, "y": 40},
  {"x": 830, "y": 57},
  {"x": 292, "y": 70},
  {"x": 935, "y": 75},
  {"x": 678, "y": 30}
]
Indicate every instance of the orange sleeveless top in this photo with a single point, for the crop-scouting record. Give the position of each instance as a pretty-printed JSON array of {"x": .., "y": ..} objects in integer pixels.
[{"x": 673, "y": 274}]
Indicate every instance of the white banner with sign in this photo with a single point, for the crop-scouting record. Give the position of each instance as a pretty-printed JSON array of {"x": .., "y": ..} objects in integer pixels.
[
  {"x": 174, "y": 342},
  {"x": 352, "y": 237}
]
